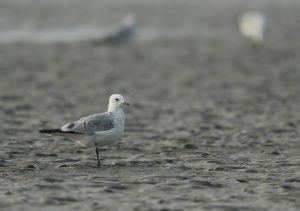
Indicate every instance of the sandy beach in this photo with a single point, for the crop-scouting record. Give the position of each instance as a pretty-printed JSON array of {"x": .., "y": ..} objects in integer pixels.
[{"x": 214, "y": 121}]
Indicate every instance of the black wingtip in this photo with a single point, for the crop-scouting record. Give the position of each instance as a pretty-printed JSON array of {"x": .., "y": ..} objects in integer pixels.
[{"x": 49, "y": 131}]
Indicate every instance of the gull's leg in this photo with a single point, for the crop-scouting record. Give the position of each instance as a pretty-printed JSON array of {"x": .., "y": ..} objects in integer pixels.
[{"x": 97, "y": 153}]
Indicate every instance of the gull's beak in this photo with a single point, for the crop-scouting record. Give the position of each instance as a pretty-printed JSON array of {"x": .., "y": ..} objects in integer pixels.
[{"x": 126, "y": 103}]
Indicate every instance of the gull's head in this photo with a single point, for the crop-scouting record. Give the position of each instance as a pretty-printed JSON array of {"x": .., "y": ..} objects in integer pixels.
[
  {"x": 129, "y": 20},
  {"x": 116, "y": 101}
]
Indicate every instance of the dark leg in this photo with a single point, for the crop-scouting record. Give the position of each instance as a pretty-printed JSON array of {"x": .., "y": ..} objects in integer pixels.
[{"x": 97, "y": 153}]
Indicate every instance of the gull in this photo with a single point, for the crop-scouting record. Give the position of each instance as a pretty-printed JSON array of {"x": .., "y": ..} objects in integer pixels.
[
  {"x": 96, "y": 130},
  {"x": 124, "y": 31},
  {"x": 253, "y": 26}
]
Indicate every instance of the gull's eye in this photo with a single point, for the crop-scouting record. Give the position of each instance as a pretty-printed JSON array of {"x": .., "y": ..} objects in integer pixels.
[{"x": 117, "y": 99}]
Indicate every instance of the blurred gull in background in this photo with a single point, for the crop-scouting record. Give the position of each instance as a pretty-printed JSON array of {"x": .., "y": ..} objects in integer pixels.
[
  {"x": 120, "y": 33},
  {"x": 123, "y": 32},
  {"x": 252, "y": 25}
]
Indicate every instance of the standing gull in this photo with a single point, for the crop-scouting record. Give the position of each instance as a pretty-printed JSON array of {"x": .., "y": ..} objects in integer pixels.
[{"x": 96, "y": 130}]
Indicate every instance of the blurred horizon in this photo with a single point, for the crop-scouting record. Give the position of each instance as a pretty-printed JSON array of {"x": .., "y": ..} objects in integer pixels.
[{"x": 76, "y": 20}]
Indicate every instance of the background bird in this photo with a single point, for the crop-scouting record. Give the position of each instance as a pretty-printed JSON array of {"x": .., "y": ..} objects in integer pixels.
[{"x": 252, "y": 25}]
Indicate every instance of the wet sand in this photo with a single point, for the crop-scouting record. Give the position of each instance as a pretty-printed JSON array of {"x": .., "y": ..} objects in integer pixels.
[{"x": 214, "y": 121}]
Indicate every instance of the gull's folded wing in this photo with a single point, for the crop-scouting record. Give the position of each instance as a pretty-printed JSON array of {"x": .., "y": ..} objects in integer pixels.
[{"x": 89, "y": 125}]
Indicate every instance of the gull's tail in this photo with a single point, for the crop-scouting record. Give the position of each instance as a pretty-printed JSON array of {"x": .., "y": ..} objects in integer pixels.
[{"x": 50, "y": 131}]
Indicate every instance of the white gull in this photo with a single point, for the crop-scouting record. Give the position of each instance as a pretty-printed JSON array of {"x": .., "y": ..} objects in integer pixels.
[{"x": 96, "y": 130}]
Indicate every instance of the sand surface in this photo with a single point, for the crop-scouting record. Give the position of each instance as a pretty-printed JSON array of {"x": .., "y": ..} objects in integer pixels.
[{"x": 214, "y": 121}]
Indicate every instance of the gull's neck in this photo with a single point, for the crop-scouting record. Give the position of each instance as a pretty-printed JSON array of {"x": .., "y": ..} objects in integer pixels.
[
  {"x": 114, "y": 108},
  {"x": 118, "y": 115}
]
